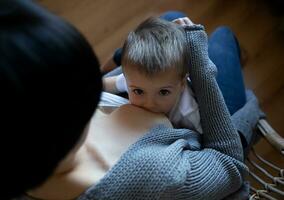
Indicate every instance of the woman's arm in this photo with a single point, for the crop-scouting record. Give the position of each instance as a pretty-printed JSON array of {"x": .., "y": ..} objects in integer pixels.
[{"x": 219, "y": 132}]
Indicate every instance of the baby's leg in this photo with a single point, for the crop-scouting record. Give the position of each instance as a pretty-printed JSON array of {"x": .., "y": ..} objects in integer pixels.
[{"x": 172, "y": 15}]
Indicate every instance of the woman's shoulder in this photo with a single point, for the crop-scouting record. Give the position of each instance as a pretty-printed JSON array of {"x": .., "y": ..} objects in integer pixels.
[
  {"x": 112, "y": 134},
  {"x": 131, "y": 116}
]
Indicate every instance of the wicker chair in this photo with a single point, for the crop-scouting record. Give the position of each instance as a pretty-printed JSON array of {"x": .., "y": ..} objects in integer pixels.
[{"x": 267, "y": 177}]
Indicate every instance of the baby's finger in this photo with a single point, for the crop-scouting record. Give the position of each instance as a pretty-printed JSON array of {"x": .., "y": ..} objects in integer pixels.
[
  {"x": 179, "y": 21},
  {"x": 187, "y": 21}
]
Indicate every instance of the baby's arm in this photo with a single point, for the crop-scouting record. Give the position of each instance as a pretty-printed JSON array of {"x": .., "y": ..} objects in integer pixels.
[
  {"x": 108, "y": 65},
  {"x": 112, "y": 62},
  {"x": 115, "y": 84}
]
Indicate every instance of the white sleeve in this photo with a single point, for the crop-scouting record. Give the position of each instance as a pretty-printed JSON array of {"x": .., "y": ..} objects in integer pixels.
[
  {"x": 120, "y": 83},
  {"x": 188, "y": 111},
  {"x": 112, "y": 100}
]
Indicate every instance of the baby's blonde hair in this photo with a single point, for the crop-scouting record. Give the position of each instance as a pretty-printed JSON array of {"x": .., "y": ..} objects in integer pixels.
[{"x": 155, "y": 46}]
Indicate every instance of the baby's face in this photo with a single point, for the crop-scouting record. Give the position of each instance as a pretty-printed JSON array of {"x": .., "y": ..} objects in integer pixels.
[{"x": 158, "y": 93}]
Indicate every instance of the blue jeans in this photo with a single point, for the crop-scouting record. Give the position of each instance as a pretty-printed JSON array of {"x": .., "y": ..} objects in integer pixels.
[{"x": 224, "y": 52}]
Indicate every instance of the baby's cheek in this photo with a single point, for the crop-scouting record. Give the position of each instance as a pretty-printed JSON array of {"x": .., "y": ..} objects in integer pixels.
[
  {"x": 167, "y": 108},
  {"x": 134, "y": 100},
  {"x": 168, "y": 105}
]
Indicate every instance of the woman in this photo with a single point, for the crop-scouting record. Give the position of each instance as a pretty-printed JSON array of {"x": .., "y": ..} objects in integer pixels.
[{"x": 58, "y": 140}]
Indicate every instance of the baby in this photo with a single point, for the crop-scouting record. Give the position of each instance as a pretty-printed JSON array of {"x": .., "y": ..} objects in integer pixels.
[{"x": 155, "y": 73}]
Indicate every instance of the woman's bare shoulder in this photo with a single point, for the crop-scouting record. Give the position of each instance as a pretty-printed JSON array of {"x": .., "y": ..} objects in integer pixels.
[
  {"x": 112, "y": 134},
  {"x": 136, "y": 117}
]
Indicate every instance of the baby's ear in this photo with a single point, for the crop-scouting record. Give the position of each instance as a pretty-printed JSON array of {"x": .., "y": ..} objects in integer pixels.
[{"x": 184, "y": 81}]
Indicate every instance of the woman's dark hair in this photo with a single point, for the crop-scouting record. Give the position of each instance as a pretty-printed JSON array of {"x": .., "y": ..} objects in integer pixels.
[{"x": 50, "y": 85}]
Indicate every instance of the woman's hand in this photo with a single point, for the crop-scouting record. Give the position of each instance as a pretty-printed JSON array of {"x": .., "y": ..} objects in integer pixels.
[{"x": 184, "y": 21}]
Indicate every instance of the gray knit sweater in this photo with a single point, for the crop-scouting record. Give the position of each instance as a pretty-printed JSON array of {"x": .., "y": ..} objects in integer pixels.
[{"x": 171, "y": 164}]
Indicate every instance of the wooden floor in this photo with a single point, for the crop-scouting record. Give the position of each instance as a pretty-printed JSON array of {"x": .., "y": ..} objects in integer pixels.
[{"x": 106, "y": 23}]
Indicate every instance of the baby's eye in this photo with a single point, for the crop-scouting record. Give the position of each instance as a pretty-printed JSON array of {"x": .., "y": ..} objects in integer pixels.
[
  {"x": 138, "y": 91},
  {"x": 164, "y": 92}
]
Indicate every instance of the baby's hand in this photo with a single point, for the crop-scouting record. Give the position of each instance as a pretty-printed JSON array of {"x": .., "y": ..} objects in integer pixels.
[{"x": 184, "y": 21}]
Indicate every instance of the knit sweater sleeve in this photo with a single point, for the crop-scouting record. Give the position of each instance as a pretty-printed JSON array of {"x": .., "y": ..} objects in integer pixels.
[
  {"x": 219, "y": 131},
  {"x": 217, "y": 169}
]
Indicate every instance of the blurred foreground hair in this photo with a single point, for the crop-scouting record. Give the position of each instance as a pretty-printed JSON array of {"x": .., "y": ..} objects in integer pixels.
[{"x": 50, "y": 85}]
